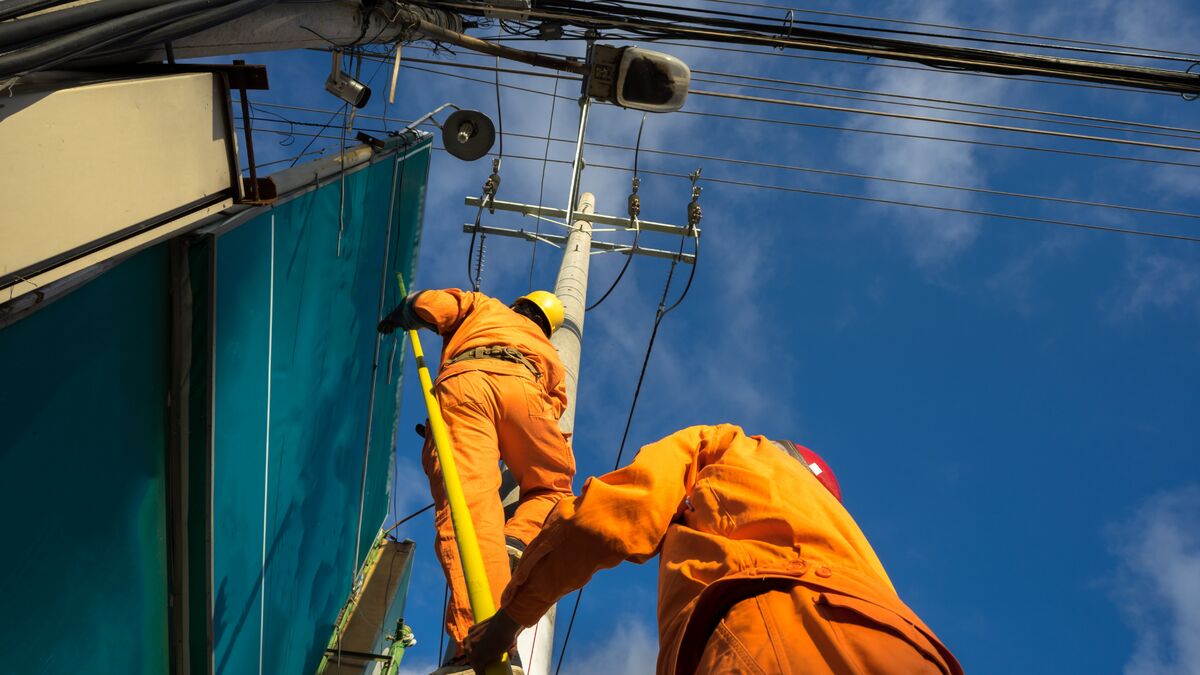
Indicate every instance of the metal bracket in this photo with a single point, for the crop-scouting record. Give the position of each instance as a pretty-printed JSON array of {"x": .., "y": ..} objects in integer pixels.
[
  {"x": 597, "y": 246},
  {"x": 254, "y": 190},
  {"x": 594, "y": 218}
]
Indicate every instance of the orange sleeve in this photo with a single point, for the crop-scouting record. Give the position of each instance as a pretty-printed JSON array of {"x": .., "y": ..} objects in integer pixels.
[
  {"x": 444, "y": 310},
  {"x": 620, "y": 516}
]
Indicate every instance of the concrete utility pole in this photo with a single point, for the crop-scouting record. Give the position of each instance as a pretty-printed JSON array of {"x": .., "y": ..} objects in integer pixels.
[
  {"x": 536, "y": 645},
  {"x": 571, "y": 288}
]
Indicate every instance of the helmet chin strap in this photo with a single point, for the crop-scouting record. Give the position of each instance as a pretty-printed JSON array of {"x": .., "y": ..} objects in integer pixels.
[{"x": 526, "y": 310}]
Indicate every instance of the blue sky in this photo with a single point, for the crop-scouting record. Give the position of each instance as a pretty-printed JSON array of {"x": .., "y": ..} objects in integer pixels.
[{"x": 1011, "y": 407}]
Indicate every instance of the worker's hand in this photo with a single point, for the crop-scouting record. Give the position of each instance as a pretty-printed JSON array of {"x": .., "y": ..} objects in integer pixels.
[{"x": 487, "y": 640}]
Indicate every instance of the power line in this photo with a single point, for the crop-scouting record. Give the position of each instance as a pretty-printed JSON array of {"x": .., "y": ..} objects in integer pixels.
[
  {"x": 926, "y": 24},
  {"x": 685, "y": 42},
  {"x": 940, "y": 120},
  {"x": 666, "y": 24},
  {"x": 878, "y": 132},
  {"x": 898, "y": 66},
  {"x": 838, "y": 195},
  {"x": 542, "y": 187},
  {"x": 949, "y": 209},
  {"x": 1195, "y": 133},
  {"x": 1192, "y": 134},
  {"x": 659, "y": 315},
  {"x": 825, "y": 171},
  {"x": 944, "y": 139},
  {"x": 932, "y": 207},
  {"x": 788, "y": 23}
]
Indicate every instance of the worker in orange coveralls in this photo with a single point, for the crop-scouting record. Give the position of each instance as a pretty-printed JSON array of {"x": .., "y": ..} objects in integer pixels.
[
  {"x": 761, "y": 568},
  {"x": 501, "y": 393}
]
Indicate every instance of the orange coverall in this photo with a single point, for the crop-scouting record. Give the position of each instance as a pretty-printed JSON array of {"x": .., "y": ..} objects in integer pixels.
[
  {"x": 494, "y": 410},
  {"x": 761, "y": 569}
]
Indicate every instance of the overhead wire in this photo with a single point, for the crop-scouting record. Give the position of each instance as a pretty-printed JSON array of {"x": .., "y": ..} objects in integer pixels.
[
  {"x": 1109, "y": 50},
  {"x": 652, "y": 24},
  {"x": 844, "y": 174},
  {"x": 982, "y": 213},
  {"x": 1028, "y": 79},
  {"x": 878, "y": 132},
  {"x": 1068, "y": 118},
  {"x": 1187, "y": 133},
  {"x": 933, "y": 207},
  {"x": 942, "y": 120},
  {"x": 943, "y": 139},
  {"x": 928, "y": 24},
  {"x": 542, "y": 185},
  {"x": 634, "y": 210},
  {"x": 659, "y": 315},
  {"x": 866, "y": 61}
]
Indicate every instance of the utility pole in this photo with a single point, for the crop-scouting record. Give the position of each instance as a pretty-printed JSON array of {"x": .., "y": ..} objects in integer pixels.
[
  {"x": 571, "y": 288},
  {"x": 536, "y": 644}
]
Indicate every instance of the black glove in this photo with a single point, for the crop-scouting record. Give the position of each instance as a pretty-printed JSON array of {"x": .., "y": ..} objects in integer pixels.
[{"x": 403, "y": 316}]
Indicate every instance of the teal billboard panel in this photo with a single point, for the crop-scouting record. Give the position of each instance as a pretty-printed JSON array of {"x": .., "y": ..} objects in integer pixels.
[
  {"x": 83, "y": 408},
  {"x": 304, "y": 406}
]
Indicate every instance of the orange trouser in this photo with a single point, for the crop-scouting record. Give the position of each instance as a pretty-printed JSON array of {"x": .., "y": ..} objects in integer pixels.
[
  {"x": 493, "y": 417},
  {"x": 803, "y": 630}
]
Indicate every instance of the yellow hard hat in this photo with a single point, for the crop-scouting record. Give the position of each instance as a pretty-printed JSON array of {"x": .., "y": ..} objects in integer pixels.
[{"x": 550, "y": 306}]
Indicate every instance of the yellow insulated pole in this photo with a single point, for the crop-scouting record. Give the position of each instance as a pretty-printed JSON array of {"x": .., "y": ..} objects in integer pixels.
[{"x": 479, "y": 593}]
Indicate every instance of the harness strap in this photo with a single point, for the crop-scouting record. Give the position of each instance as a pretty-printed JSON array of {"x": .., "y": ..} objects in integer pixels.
[{"x": 500, "y": 353}]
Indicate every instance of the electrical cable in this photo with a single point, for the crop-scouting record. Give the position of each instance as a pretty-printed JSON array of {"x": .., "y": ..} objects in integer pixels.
[
  {"x": 409, "y": 517},
  {"x": 1193, "y": 134},
  {"x": 659, "y": 315},
  {"x": 665, "y": 24},
  {"x": 14, "y": 8},
  {"x": 947, "y": 26},
  {"x": 38, "y": 27},
  {"x": 941, "y": 120},
  {"x": 347, "y": 120},
  {"x": 878, "y": 132},
  {"x": 1029, "y": 79},
  {"x": 332, "y": 116},
  {"x": 312, "y": 140},
  {"x": 634, "y": 209},
  {"x": 814, "y": 85},
  {"x": 287, "y": 141},
  {"x": 821, "y": 193},
  {"x": 943, "y": 139},
  {"x": 542, "y": 186},
  {"x": 188, "y": 26},
  {"x": 846, "y": 174},
  {"x": 56, "y": 50},
  {"x": 894, "y": 202},
  {"x": 442, "y": 633},
  {"x": 974, "y": 212},
  {"x": 1139, "y": 53}
]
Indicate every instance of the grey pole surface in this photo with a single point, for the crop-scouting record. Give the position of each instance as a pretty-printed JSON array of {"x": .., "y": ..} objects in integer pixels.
[{"x": 571, "y": 288}]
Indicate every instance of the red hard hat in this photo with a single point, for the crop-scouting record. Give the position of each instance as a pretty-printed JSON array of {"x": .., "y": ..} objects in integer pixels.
[{"x": 816, "y": 464}]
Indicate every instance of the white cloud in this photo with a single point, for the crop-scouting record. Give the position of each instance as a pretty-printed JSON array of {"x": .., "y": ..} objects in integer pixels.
[
  {"x": 1018, "y": 280},
  {"x": 1159, "y": 583},
  {"x": 1156, "y": 281},
  {"x": 933, "y": 239},
  {"x": 632, "y": 649}
]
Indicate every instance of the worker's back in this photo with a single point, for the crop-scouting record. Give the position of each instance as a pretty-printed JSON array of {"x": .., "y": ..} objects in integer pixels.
[
  {"x": 735, "y": 520},
  {"x": 466, "y": 320},
  {"x": 754, "y": 512}
]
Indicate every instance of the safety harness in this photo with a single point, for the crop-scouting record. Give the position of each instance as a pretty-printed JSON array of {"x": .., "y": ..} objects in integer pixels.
[{"x": 500, "y": 353}]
